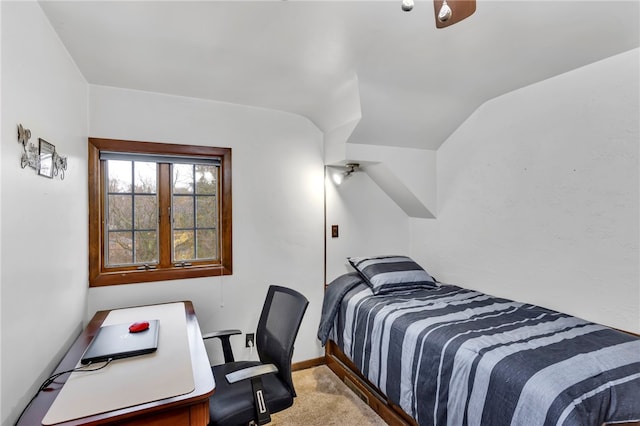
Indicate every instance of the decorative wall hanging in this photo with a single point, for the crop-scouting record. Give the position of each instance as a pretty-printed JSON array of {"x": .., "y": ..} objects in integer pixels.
[{"x": 42, "y": 158}]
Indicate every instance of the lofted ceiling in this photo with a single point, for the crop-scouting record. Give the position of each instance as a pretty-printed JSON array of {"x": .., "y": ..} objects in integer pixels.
[{"x": 415, "y": 84}]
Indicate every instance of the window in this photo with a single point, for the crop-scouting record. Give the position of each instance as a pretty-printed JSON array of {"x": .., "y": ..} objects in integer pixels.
[{"x": 158, "y": 211}]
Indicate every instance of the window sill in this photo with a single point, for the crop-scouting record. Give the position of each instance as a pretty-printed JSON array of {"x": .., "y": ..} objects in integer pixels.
[{"x": 131, "y": 277}]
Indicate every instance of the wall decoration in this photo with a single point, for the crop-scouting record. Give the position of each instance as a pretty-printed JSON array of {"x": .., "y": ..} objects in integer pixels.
[
  {"x": 43, "y": 158},
  {"x": 30, "y": 154},
  {"x": 59, "y": 165},
  {"x": 23, "y": 135},
  {"x": 46, "y": 158}
]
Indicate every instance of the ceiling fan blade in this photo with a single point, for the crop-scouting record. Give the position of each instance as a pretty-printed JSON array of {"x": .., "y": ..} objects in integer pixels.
[{"x": 460, "y": 9}]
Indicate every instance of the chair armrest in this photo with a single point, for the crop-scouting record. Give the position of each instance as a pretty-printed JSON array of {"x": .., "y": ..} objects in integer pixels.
[
  {"x": 251, "y": 372},
  {"x": 220, "y": 333},
  {"x": 224, "y": 336}
]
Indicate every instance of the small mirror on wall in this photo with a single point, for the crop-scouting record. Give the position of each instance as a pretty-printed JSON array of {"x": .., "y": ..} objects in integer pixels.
[{"x": 45, "y": 163}]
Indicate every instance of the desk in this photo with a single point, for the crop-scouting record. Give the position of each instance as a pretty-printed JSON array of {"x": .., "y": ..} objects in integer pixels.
[{"x": 191, "y": 409}]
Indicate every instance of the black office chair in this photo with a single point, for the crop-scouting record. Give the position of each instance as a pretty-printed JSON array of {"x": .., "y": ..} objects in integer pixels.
[{"x": 248, "y": 391}]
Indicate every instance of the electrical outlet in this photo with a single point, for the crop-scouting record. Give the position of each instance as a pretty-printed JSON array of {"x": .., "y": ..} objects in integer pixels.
[{"x": 249, "y": 337}]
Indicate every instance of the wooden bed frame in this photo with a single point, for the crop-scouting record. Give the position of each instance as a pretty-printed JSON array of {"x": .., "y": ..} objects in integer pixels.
[
  {"x": 342, "y": 366},
  {"x": 391, "y": 413}
]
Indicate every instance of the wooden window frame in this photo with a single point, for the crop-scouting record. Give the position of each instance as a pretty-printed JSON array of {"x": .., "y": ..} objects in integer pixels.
[{"x": 101, "y": 276}]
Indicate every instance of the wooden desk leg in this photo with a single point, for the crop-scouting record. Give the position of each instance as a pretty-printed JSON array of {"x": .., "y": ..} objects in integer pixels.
[{"x": 200, "y": 414}]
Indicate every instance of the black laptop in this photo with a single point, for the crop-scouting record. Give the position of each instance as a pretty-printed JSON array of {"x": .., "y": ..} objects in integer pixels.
[{"x": 115, "y": 342}]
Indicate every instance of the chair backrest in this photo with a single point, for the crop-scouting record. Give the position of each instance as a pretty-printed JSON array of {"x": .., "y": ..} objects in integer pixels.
[{"x": 278, "y": 327}]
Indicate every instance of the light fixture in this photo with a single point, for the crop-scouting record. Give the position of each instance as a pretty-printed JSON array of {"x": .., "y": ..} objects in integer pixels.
[
  {"x": 449, "y": 12},
  {"x": 339, "y": 177},
  {"x": 443, "y": 15},
  {"x": 445, "y": 12},
  {"x": 352, "y": 167}
]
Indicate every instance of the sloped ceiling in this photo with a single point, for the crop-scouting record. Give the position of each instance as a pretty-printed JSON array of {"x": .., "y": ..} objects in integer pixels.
[{"x": 416, "y": 83}]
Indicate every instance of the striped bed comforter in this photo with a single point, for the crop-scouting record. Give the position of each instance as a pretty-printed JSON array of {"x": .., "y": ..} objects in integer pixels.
[{"x": 453, "y": 356}]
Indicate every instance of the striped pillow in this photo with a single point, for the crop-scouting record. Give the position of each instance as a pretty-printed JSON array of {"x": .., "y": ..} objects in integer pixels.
[{"x": 386, "y": 274}]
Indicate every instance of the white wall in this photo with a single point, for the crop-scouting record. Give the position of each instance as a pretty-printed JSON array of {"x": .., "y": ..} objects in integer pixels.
[
  {"x": 277, "y": 207},
  {"x": 44, "y": 250},
  {"x": 369, "y": 222},
  {"x": 538, "y": 196}
]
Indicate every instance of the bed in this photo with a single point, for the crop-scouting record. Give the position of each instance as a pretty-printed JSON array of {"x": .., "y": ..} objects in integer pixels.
[{"x": 435, "y": 354}]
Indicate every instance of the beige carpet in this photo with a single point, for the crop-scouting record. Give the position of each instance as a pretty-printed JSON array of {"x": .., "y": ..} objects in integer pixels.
[{"x": 324, "y": 400}]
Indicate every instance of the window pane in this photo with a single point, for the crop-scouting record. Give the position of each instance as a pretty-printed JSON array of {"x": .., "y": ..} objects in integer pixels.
[
  {"x": 119, "y": 214},
  {"x": 182, "y": 178},
  {"x": 206, "y": 244},
  {"x": 206, "y": 212},
  {"x": 146, "y": 212},
  {"x": 206, "y": 179},
  {"x": 120, "y": 248},
  {"x": 119, "y": 176},
  {"x": 145, "y": 177},
  {"x": 146, "y": 247},
  {"x": 183, "y": 212},
  {"x": 183, "y": 245}
]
